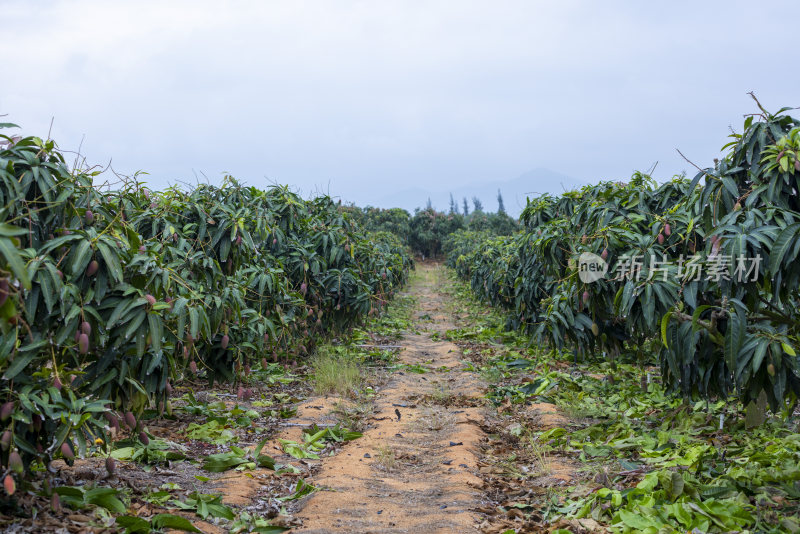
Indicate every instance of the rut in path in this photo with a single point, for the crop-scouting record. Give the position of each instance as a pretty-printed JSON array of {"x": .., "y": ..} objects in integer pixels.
[{"x": 415, "y": 474}]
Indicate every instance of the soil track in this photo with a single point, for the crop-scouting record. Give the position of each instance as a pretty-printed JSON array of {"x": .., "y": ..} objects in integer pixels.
[{"x": 415, "y": 468}]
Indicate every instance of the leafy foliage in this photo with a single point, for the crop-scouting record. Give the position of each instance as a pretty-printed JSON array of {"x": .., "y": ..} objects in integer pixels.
[
  {"x": 653, "y": 462},
  {"x": 733, "y": 332},
  {"x": 109, "y": 296}
]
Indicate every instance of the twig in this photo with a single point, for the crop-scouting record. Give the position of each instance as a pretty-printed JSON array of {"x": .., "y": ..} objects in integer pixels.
[
  {"x": 694, "y": 165},
  {"x": 766, "y": 113}
]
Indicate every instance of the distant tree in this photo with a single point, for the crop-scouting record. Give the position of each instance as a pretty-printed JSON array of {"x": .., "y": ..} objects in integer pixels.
[
  {"x": 453, "y": 207},
  {"x": 501, "y": 208},
  {"x": 466, "y": 207},
  {"x": 494, "y": 223},
  {"x": 429, "y": 206},
  {"x": 428, "y": 228},
  {"x": 478, "y": 206},
  {"x": 373, "y": 219}
]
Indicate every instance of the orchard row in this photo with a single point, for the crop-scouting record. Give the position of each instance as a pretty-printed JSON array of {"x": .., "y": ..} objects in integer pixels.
[
  {"x": 109, "y": 295},
  {"x": 714, "y": 335}
]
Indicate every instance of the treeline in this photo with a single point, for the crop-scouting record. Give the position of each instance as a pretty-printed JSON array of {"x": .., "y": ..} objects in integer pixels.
[
  {"x": 702, "y": 272},
  {"x": 427, "y": 229}
]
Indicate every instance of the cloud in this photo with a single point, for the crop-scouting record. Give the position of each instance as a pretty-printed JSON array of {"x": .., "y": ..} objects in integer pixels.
[{"x": 368, "y": 98}]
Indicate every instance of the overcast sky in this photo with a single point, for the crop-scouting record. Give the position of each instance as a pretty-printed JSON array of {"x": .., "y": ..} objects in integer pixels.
[{"x": 366, "y": 98}]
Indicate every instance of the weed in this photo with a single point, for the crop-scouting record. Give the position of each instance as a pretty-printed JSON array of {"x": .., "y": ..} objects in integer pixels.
[
  {"x": 385, "y": 458},
  {"x": 441, "y": 394},
  {"x": 492, "y": 375},
  {"x": 542, "y": 466},
  {"x": 352, "y": 414},
  {"x": 335, "y": 372}
]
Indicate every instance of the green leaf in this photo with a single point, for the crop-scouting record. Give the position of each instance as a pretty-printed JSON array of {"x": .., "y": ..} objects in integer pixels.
[
  {"x": 664, "y": 324},
  {"x": 111, "y": 261},
  {"x": 637, "y": 521},
  {"x": 105, "y": 497},
  {"x": 301, "y": 490},
  {"x": 216, "y": 463},
  {"x": 14, "y": 260},
  {"x": 20, "y": 362},
  {"x": 785, "y": 240},
  {"x": 134, "y": 525},
  {"x": 156, "y": 334},
  {"x": 82, "y": 256}
]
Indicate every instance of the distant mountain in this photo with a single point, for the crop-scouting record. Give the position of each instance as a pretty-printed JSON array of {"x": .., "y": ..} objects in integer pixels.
[{"x": 530, "y": 184}]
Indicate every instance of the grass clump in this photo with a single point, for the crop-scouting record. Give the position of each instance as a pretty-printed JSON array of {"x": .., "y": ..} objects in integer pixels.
[
  {"x": 336, "y": 372},
  {"x": 385, "y": 458}
]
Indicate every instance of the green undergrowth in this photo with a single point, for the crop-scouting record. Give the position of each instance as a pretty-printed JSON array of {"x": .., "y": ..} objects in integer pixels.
[
  {"x": 338, "y": 367},
  {"x": 646, "y": 461},
  {"x": 336, "y": 371},
  {"x": 265, "y": 395}
]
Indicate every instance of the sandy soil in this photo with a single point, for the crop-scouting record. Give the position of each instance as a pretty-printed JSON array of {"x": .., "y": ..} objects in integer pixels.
[{"x": 415, "y": 469}]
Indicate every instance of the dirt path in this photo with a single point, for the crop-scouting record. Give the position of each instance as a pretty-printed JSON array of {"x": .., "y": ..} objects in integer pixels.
[{"x": 414, "y": 469}]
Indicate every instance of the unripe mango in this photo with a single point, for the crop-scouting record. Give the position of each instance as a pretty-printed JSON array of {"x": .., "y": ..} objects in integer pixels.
[
  {"x": 15, "y": 462},
  {"x": 66, "y": 451},
  {"x": 130, "y": 420},
  {"x": 91, "y": 270},
  {"x": 86, "y": 328},
  {"x": 150, "y": 299},
  {"x": 144, "y": 439},
  {"x": 89, "y": 217},
  {"x": 224, "y": 341},
  {"x": 111, "y": 465},
  {"x": 6, "y": 410},
  {"x": 113, "y": 420},
  {"x": 5, "y": 440},
  {"x": 83, "y": 343}
]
